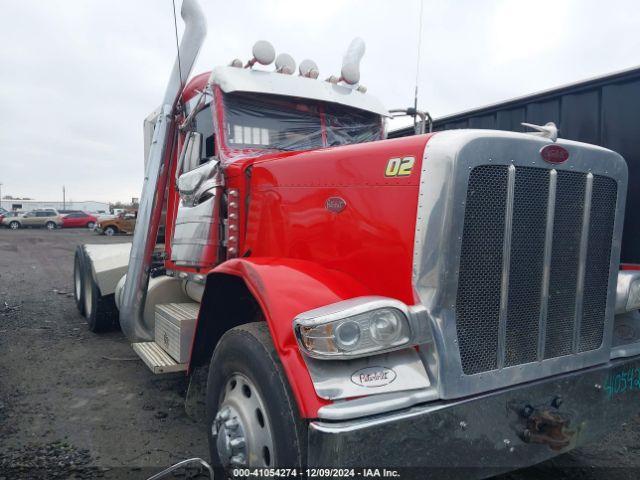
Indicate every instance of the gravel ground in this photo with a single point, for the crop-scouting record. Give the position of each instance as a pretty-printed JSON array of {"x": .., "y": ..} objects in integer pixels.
[
  {"x": 74, "y": 404},
  {"x": 77, "y": 405}
]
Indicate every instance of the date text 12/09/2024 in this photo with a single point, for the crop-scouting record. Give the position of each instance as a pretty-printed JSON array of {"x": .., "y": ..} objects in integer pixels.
[{"x": 316, "y": 472}]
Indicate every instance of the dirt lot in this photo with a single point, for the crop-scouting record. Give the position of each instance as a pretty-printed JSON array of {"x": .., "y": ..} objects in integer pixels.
[
  {"x": 67, "y": 389},
  {"x": 74, "y": 403}
]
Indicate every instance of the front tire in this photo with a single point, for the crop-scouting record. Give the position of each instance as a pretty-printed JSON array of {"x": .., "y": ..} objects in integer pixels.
[
  {"x": 14, "y": 225},
  {"x": 99, "y": 310},
  {"x": 110, "y": 231},
  {"x": 252, "y": 416},
  {"x": 90, "y": 225}
]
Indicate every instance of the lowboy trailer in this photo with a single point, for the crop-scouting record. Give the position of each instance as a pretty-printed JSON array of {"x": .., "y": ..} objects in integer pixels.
[{"x": 451, "y": 299}]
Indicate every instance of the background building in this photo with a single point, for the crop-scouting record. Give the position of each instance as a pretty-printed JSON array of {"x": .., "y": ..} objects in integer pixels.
[{"x": 25, "y": 205}]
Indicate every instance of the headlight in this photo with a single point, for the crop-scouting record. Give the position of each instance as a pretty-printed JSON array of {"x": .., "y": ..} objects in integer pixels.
[
  {"x": 356, "y": 328},
  {"x": 633, "y": 302},
  {"x": 628, "y": 291}
]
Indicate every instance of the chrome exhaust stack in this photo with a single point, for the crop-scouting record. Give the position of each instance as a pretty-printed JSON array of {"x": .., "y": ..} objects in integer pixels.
[{"x": 152, "y": 199}]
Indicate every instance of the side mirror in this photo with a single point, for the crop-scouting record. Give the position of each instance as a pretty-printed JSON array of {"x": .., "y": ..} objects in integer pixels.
[{"x": 191, "y": 153}]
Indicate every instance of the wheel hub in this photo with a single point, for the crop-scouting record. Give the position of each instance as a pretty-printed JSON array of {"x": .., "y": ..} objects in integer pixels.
[
  {"x": 230, "y": 441},
  {"x": 241, "y": 428}
]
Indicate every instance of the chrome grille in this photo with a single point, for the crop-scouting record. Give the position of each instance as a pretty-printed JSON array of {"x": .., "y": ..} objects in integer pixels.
[{"x": 534, "y": 265}]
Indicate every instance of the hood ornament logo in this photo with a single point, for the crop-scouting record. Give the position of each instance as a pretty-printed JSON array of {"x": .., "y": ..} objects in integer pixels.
[
  {"x": 335, "y": 204},
  {"x": 554, "y": 154}
]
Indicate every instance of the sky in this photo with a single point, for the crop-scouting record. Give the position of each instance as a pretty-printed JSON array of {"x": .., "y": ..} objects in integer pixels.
[{"x": 77, "y": 77}]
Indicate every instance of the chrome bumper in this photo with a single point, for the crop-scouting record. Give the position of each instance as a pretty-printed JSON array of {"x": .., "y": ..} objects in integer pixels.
[{"x": 488, "y": 434}]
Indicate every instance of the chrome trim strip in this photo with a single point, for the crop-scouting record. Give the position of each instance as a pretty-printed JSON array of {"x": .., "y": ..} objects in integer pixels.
[
  {"x": 582, "y": 261},
  {"x": 628, "y": 350},
  {"x": 506, "y": 265},
  {"x": 376, "y": 404},
  {"x": 546, "y": 266}
]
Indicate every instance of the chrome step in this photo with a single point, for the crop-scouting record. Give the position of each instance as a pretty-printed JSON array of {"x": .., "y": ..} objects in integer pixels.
[{"x": 156, "y": 358}]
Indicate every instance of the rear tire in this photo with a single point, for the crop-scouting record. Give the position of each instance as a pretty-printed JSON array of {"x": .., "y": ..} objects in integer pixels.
[
  {"x": 78, "y": 278},
  {"x": 14, "y": 225},
  {"x": 249, "y": 398},
  {"x": 50, "y": 225},
  {"x": 99, "y": 310},
  {"x": 110, "y": 231}
]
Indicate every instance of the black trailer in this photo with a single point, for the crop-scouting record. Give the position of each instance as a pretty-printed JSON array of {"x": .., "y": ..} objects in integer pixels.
[{"x": 604, "y": 111}]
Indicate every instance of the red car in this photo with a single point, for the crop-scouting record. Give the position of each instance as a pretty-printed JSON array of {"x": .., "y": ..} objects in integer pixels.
[{"x": 79, "y": 219}]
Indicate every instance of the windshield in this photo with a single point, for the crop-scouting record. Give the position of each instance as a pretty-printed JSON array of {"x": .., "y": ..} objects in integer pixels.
[{"x": 281, "y": 123}]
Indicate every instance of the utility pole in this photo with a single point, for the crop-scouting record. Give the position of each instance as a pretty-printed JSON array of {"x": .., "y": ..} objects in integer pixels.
[{"x": 64, "y": 198}]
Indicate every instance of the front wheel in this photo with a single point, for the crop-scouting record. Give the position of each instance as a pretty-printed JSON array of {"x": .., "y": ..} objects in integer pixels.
[
  {"x": 14, "y": 225},
  {"x": 110, "y": 231},
  {"x": 252, "y": 416},
  {"x": 50, "y": 225},
  {"x": 90, "y": 225}
]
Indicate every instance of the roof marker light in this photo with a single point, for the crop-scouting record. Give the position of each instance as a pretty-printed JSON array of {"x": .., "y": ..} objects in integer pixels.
[
  {"x": 309, "y": 69},
  {"x": 263, "y": 53},
  {"x": 285, "y": 64}
]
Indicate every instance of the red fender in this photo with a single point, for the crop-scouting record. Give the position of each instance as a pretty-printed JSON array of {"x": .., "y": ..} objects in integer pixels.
[{"x": 284, "y": 288}]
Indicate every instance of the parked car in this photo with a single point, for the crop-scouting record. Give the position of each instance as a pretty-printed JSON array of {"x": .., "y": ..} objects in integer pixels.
[
  {"x": 9, "y": 215},
  {"x": 124, "y": 222},
  {"x": 49, "y": 218},
  {"x": 79, "y": 219}
]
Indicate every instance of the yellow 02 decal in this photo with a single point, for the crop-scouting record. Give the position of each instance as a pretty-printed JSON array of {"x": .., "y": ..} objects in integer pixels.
[{"x": 399, "y": 167}]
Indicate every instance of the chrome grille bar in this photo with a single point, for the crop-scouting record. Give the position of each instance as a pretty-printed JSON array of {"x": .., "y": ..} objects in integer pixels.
[
  {"x": 506, "y": 262},
  {"x": 582, "y": 261},
  {"x": 546, "y": 269}
]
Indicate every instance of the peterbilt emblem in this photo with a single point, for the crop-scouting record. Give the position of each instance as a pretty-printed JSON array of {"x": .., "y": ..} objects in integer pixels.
[
  {"x": 373, "y": 377},
  {"x": 335, "y": 204},
  {"x": 554, "y": 154}
]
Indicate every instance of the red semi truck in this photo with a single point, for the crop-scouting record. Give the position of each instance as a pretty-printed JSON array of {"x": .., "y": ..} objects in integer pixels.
[{"x": 445, "y": 300}]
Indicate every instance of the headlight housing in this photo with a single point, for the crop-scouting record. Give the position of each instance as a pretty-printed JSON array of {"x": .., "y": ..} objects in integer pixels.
[
  {"x": 628, "y": 291},
  {"x": 360, "y": 327}
]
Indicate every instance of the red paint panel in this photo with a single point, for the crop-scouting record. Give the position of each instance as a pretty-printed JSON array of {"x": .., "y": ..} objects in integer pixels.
[{"x": 370, "y": 239}]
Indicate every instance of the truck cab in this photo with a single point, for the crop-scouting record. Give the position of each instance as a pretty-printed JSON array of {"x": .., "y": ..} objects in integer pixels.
[
  {"x": 224, "y": 133},
  {"x": 340, "y": 299}
]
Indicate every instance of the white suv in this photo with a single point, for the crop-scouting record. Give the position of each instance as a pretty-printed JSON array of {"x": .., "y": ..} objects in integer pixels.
[{"x": 48, "y": 218}]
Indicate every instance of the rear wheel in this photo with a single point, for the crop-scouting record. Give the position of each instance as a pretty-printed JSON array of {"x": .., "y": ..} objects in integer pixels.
[
  {"x": 110, "y": 231},
  {"x": 100, "y": 310},
  {"x": 252, "y": 417},
  {"x": 14, "y": 225},
  {"x": 78, "y": 278},
  {"x": 50, "y": 225}
]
